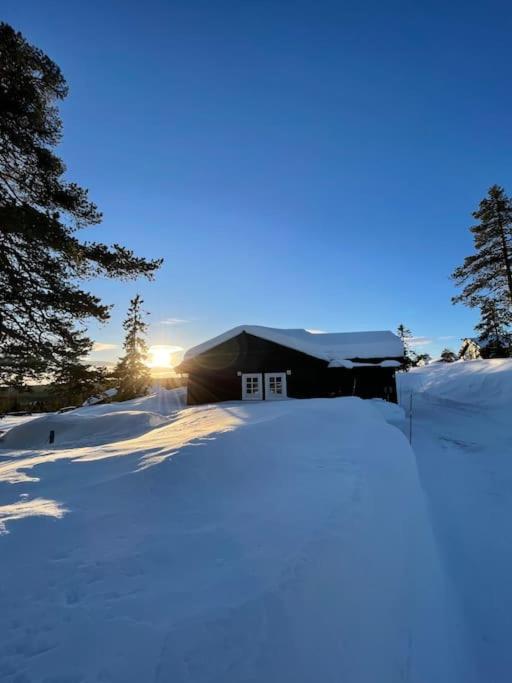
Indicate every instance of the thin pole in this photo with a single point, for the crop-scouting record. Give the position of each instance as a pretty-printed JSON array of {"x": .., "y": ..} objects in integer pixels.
[{"x": 410, "y": 418}]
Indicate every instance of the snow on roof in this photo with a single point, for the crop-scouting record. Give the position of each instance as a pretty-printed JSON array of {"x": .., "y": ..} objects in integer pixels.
[
  {"x": 350, "y": 365},
  {"x": 329, "y": 346}
]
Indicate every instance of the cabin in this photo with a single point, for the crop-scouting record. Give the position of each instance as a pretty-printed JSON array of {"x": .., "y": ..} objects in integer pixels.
[{"x": 255, "y": 363}]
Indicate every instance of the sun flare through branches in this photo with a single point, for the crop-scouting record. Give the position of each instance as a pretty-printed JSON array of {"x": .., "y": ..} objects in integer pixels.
[{"x": 161, "y": 355}]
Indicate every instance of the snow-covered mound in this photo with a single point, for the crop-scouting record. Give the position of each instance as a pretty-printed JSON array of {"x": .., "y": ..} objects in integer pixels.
[
  {"x": 238, "y": 542},
  {"x": 72, "y": 430},
  {"x": 9, "y": 421},
  {"x": 93, "y": 425},
  {"x": 479, "y": 382},
  {"x": 460, "y": 432}
]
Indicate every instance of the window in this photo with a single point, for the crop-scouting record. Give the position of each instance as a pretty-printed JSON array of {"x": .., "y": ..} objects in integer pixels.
[
  {"x": 275, "y": 385},
  {"x": 252, "y": 385}
]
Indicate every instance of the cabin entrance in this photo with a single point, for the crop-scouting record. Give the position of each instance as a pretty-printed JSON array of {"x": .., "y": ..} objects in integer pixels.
[
  {"x": 275, "y": 386},
  {"x": 252, "y": 387},
  {"x": 269, "y": 386}
]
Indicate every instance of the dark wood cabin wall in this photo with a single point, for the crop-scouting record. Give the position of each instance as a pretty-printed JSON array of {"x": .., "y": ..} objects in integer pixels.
[{"x": 213, "y": 375}]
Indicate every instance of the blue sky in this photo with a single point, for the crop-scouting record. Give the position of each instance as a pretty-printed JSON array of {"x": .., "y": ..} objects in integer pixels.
[{"x": 297, "y": 164}]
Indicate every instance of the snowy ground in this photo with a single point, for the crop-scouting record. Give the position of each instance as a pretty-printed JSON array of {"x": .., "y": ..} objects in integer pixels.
[
  {"x": 262, "y": 542},
  {"x": 462, "y": 437}
]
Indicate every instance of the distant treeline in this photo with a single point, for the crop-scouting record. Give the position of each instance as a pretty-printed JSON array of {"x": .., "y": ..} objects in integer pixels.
[{"x": 45, "y": 398}]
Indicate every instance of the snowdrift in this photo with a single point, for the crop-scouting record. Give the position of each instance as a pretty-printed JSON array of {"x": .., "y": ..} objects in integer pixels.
[
  {"x": 91, "y": 425},
  {"x": 74, "y": 430},
  {"x": 477, "y": 382},
  {"x": 234, "y": 543},
  {"x": 462, "y": 438}
]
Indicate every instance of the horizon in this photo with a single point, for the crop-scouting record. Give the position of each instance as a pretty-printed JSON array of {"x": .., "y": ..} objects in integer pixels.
[{"x": 307, "y": 169}]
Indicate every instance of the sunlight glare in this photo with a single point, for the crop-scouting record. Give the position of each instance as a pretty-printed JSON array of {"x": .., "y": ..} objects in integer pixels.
[{"x": 160, "y": 355}]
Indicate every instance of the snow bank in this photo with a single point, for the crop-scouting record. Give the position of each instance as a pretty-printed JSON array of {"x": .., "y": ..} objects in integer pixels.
[
  {"x": 462, "y": 438},
  {"x": 478, "y": 382},
  {"x": 9, "y": 421},
  {"x": 236, "y": 542},
  {"x": 71, "y": 430},
  {"x": 91, "y": 425}
]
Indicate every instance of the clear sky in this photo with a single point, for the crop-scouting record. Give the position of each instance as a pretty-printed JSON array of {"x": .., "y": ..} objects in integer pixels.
[{"x": 297, "y": 164}]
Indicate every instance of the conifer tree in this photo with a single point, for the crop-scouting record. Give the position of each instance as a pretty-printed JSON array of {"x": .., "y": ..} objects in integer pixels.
[
  {"x": 405, "y": 335},
  {"x": 494, "y": 328},
  {"x": 448, "y": 356},
  {"x": 43, "y": 308},
  {"x": 488, "y": 272},
  {"x": 132, "y": 372},
  {"x": 77, "y": 380}
]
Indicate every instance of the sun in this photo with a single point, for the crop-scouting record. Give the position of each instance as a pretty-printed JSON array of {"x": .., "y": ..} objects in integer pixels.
[{"x": 160, "y": 355}]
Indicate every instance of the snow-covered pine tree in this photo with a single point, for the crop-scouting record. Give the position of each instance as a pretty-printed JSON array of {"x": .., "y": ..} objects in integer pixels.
[
  {"x": 42, "y": 258},
  {"x": 132, "y": 373},
  {"x": 422, "y": 359},
  {"x": 488, "y": 272},
  {"x": 494, "y": 328},
  {"x": 405, "y": 335},
  {"x": 448, "y": 356}
]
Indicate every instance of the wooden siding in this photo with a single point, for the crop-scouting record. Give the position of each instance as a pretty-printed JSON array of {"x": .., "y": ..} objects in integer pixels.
[{"x": 213, "y": 375}]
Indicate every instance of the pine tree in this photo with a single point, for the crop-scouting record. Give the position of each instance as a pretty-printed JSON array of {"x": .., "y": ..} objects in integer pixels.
[
  {"x": 77, "y": 380},
  {"x": 43, "y": 309},
  {"x": 448, "y": 356},
  {"x": 405, "y": 335},
  {"x": 493, "y": 328},
  {"x": 488, "y": 272},
  {"x": 132, "y": 372}
]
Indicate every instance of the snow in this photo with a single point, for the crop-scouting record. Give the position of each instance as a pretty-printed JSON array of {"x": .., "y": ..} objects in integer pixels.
[
  {"x": 324, "y": 345},
  {"x": 93, "y": 400},
  {"x": 350, "y": 365},
  {"x": 90, "y": 426},
  {"x": 8, "y": 421},
  {"x": 228, "y": 543},
  {"x": 37, "y": 507},
  {"x": 463, "y": 443},
  {"x": 478, "y": 382},
  {"x": 391, "y": 412}
]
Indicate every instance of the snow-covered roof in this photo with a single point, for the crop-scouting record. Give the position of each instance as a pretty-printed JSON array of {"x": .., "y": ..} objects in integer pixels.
[
  {"x": 328, "y": 346},
  {"x": 350, "y": 364}
]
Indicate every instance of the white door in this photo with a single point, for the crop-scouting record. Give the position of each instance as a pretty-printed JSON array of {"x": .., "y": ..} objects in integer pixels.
[
  {"x": 252, "y": 387},
  {"x": 275, "y": 386}
]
